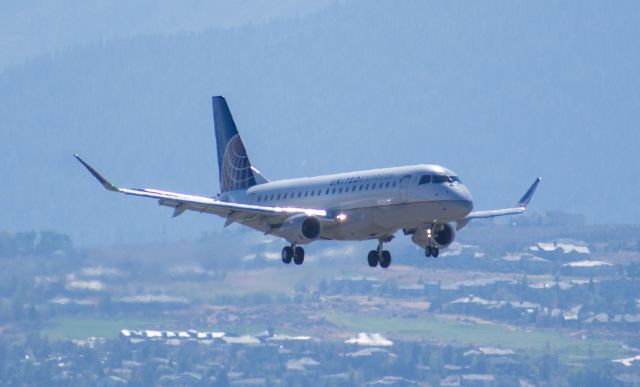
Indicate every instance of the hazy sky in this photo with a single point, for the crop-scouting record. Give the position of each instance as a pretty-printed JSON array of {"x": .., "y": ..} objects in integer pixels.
[{"x": 499, "y": 91}]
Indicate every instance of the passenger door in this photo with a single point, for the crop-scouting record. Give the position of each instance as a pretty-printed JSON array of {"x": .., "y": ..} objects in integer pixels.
[{"x": 404, "y": 188}]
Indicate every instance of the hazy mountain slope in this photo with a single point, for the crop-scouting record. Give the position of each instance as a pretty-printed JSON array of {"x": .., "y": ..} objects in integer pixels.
[
  {"x": 36, "y": 27},
  {"x": 500, "y": 92}
]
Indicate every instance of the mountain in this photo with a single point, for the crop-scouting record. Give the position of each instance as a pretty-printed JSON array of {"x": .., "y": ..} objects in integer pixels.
[{"x": 31, "y": 28}]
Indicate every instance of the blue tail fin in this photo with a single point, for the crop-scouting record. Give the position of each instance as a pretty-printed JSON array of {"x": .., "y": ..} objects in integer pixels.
[{"x": 234, "y": 166}]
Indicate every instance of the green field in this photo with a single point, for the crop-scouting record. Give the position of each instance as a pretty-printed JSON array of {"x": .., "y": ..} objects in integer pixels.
[
  {"x": 82, "y": 327},
  {"x": 279, "y": 281},
  {"x": 433, "y": 328}
]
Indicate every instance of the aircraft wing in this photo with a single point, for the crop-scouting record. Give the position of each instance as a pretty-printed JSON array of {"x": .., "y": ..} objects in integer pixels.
[
  {"x": 518, "y": 209},
  {"x": 232, "y": 211}
]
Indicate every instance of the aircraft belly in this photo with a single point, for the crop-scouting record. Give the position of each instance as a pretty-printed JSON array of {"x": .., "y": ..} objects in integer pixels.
[
  {"x": 360, "y": 225},
  {"x": 376, "y": 222},
  {"x": 411, "y": 215}
]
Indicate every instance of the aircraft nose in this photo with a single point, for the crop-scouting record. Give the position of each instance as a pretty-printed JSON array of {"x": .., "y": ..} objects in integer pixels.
[
  {"x": 463, "y": 199},
  {"x": 465, "y": 205}
]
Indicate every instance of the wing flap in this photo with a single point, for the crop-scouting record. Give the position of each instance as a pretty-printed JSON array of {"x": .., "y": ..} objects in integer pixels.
[{"x": 183, "y": 202}]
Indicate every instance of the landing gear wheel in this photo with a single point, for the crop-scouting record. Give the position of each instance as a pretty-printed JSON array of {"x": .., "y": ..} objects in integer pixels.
[
  {"x": 435, "y": 251},
  {"x": 428, "y": 251},
  {"x": 385, "y": 259},
  {"x": 287, "y": 254},
  {"x": 298, "y": 255},
  {"x": 373, "y": 258}
]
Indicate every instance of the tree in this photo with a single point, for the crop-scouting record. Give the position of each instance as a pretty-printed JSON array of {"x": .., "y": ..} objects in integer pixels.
[
  {"x": 25, "y": 242},
  {"x": 222, "y": 380},
  {"x": 52, "y": 241}
]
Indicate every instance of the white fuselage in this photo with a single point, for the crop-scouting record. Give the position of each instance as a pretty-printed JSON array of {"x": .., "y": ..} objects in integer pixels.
[{"x": 373, "y": 204}]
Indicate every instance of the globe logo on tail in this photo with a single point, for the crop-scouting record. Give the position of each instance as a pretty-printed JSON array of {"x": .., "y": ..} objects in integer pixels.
[{"x": 236, "y": 169}]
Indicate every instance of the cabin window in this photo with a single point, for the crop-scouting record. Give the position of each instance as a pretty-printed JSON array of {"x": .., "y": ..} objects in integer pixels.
[
  {"x": 327, "y": 192},
  {"x": 278, "y": 198},
  {"x": 366, "y": 187},
  {"x": 361, "y": 187},
  {"x": 340, "y": 190},
  {"x": 313, "y": 193},
  {"x": 394, "y": 184},
  {"x": 387, "y": 184},
  {"x": 425, "y": 179}
]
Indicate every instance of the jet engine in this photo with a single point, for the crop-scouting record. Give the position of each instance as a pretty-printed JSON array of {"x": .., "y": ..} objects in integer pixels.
[
  {"x": 439, "y": 235},
  {"x": 300, "y": 229}
]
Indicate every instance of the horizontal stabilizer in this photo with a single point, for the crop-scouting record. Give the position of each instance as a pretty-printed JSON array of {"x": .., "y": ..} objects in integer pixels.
[{"x": 258, "y": 176}]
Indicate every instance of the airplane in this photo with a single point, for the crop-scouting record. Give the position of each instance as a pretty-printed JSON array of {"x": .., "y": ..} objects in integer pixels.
[{"x": 424, "y": 201}]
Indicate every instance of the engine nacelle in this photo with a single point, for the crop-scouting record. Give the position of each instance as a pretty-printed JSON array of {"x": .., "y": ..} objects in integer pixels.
[
  {"x": 301, "y": 229},
  {"x": 440, "y": 235}
]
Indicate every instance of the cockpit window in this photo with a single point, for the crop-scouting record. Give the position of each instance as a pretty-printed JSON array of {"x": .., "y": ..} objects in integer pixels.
[
  {"x": 446, "y": 179},
  {"x": 426, "y": 179},
  {"x": 437, "y": 179}
]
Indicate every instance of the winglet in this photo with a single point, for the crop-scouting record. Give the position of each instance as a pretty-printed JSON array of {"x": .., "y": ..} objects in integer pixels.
[
  {"x": 105, "y": 183},
  {"x": 524, "y": 201}
]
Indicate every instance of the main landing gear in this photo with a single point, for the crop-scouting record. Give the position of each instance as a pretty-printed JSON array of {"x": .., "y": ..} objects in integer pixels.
[
  {"x": 293, "y": 252},
  {"x": 379, "y": 256},
  {"x": 431, "y": 251}
]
